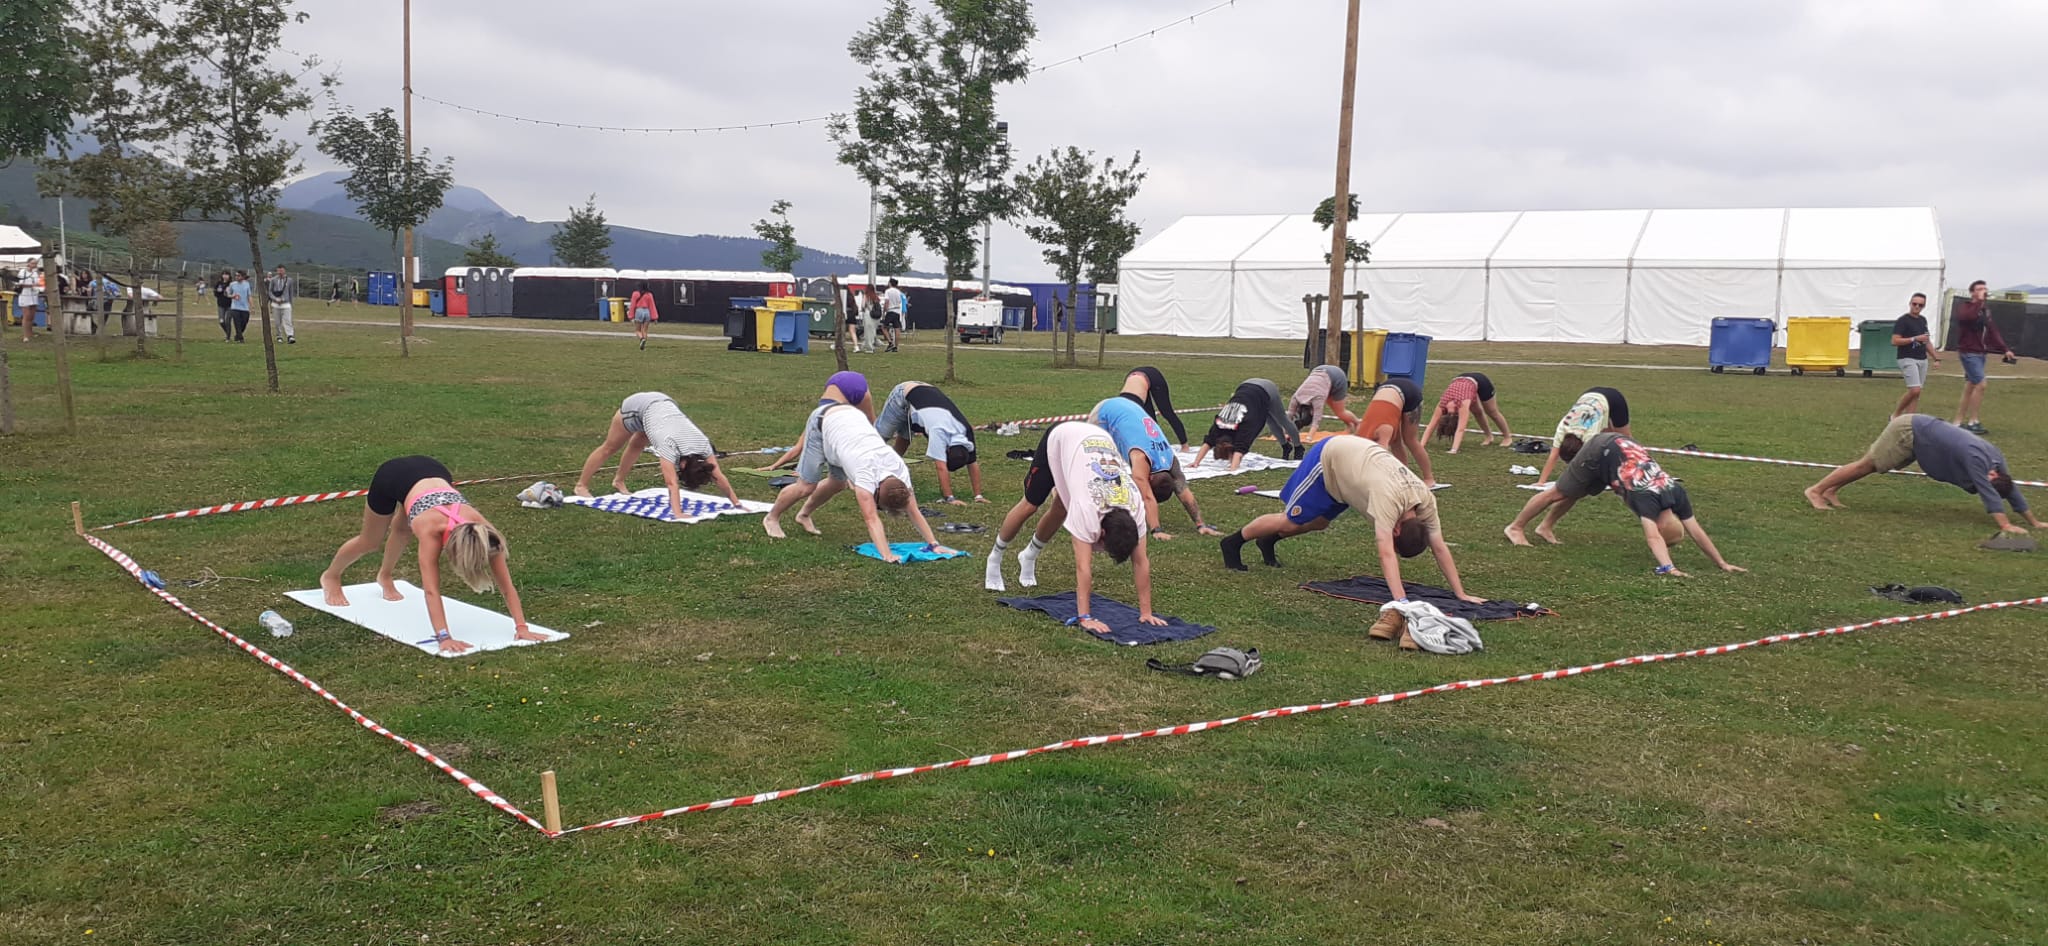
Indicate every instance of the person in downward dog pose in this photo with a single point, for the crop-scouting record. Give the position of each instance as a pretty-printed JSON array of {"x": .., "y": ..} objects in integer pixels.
[
  {"x": 1597, "y": 411},
  {"x": 1947, "y": 454},
  {"x": 1326, "y": 387},
  {"x": 915, "y": 407},
  {"x": 850, "y": 453},
  {"x": 1393, "y": 419},
  {"x": 1147, "y": 386},
  {"x": 1660, "y": 502},
  {"x": 1468, "y": 397},
  {"x": 1150, "y": 459},
  {"x": 650, "y": 420},
  {"x": 1344, "y": 471},
  {"x": 1078, "y": 470},
  {"x": 1254, "y": 405},
  {"x": 445, "y": 524}
]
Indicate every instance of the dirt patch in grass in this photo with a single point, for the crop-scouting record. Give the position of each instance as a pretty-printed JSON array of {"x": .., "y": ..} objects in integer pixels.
[{"x": 409, "y": 812}]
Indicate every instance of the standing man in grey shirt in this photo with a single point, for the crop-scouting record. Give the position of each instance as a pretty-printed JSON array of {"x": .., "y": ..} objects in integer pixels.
[
  {"x": 1946, "y": 453},
  {"x": 282, "y": 289},
  {"x": 1916, "y": 350}
]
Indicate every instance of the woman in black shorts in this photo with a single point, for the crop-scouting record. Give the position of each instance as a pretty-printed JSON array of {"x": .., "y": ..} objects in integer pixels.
[
  {"x": 418, "y": 493},
  {"x": 1469, "y": 396},
  {"x": 1147, "y": 386}
]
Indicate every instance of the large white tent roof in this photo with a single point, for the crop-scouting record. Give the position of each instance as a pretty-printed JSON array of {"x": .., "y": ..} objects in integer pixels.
[
  {"x": 14, "y": 241},
  {"x": 1209, "y": 242},
  {"x": 1864, "y": 237},
  {"x": 1567, "y": 238},
  {"x": 1449, "y": 239}
]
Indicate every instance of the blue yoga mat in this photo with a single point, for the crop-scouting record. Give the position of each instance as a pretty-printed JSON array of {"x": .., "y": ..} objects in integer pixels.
[
  {"x": 907, "y": 551},
  {"x": 1124, "y": 626}
]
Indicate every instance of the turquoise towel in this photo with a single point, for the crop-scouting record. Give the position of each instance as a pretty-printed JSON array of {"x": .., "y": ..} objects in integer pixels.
[{"x": 907, "y": 551}]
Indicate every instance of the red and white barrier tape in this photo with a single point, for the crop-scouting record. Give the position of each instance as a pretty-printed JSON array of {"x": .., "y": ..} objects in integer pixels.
[
  {"x": 1068, "y": 417},
  {"x": 491, "y": 798},
  {"x": 1706, "y": 455},
  {"x": 479, "y": 789},
  {"x": 282, "y": 501}
]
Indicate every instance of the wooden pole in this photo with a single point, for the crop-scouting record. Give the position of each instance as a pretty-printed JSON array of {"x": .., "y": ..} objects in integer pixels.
[
  {"x": 6, "y": 380},
  {"x": 839, "y": 323},
  {"x": 178, "y": 314},
  {"x": 1342, "y": 208},
  {"x": 406, "y": 273},
  {"x": 77, "y": 519},
  {"x": 551, "y": 805}
]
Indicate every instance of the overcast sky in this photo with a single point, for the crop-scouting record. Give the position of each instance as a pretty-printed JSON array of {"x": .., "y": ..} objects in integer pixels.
[{"x": 1474, "y": 105}]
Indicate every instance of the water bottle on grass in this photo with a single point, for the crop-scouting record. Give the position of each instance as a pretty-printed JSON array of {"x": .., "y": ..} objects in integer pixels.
[{"x": 275, "y": 622}]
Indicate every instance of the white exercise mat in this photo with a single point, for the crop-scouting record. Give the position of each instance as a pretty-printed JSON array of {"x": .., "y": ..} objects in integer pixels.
[
  {"x": 1535, "y": 487},
  {"x": 405, "y": 621},
  {"x": 1253, "y": 463},
  {"x": 652, "y": 503}
]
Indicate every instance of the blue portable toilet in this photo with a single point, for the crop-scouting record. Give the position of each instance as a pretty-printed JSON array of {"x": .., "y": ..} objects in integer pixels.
[
  {"x": 1406, "y": 355},
  {"x": 1740, "y": 343}
]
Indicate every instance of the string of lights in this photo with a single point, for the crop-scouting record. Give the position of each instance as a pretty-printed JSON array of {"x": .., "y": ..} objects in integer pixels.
[{"x": 763, "y": 126}]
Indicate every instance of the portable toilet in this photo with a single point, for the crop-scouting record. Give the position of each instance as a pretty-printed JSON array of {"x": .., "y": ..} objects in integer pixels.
[{"x": 455, "y": 292}]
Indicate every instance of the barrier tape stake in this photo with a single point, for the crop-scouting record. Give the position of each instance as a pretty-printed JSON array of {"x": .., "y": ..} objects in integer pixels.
[
  {"x": 77, "y": 519},
  {"x": 551, "y": 805}
]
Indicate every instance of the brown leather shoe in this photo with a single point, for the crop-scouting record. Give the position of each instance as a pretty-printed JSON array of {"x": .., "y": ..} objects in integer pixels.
[
  {"x": 1408, "y": 640},
  {"x": 1391, "y": 625}
]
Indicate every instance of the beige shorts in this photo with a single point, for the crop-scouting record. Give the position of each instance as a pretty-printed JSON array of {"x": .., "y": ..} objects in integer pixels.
[{"x": 1893, "y": 449}]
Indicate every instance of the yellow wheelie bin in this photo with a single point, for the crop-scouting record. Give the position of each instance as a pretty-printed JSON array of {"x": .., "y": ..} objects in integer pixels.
[
  {"x": 764, "y": 326},
  {"x": 1366, "y": 348},
  {"x": 617, "y": 307},
  {"x": 1817, "y": 342}
]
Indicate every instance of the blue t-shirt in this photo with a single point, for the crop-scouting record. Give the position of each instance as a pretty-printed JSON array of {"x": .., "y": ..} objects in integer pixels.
[
  {"x": 1133, "y": 429},
  {"x": 1952, "y": 455},
  {"x": 238, "y": 294}
]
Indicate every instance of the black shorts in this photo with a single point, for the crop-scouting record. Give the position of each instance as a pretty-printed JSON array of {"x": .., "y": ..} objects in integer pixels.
[
  {"x": 1038, "y": 482},
  {"x": 1617, "y": 406},
  {"x": 892, "y": 320},
  {"x": 397, "y": 477},
  {"x": 1411, "y": 394},
  {"x": 1485, "y": 384}
]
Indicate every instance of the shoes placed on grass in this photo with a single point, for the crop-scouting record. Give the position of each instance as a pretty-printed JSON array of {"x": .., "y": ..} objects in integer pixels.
[{"x": 1391, "y": 625}]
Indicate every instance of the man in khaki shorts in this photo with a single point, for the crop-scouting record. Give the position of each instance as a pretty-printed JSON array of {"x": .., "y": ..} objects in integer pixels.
[
  {"x": 1916, "y": 349},
  {"x": 1580, "y": 479},
  {"x": 1946, "y": 453}
]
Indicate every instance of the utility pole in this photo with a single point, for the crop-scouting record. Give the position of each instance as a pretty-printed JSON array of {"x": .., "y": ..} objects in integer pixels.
[
  {"x": 1342, "y": 207},
  {"x": 405, "y": 265},
  {"x": 988, "y": 225}
]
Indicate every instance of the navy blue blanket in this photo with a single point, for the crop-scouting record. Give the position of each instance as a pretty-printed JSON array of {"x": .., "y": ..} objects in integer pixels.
[
  {"x": 1372, "y": 589},
  {"x": 1124, "y": 626}
]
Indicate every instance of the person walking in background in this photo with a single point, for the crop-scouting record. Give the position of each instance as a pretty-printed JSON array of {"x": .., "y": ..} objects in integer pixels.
[
  {"x": 282, "y": 289},
  {"x": 239, "y": 292},
  {"x": 1976, "y": 337},
  {"x": 894, "y": 309},
  {"x": 1916, "y": 351},
  {"x": 30, "y": 299},
  {"x": 224, "y": 299},
  {"x": 640, "y": 308}
]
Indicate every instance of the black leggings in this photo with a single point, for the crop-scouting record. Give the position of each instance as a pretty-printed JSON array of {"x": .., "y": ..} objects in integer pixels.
[
  {"x": 227, "y": 320},
  {"x": 241, "y": 322},
  {"x": 1158, "y": 401}
]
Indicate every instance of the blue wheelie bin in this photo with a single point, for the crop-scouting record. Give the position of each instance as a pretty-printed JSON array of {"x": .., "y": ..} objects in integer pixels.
[
  {"x": 1406, "y": 355},
  {"x": 1740, "y": 343}
]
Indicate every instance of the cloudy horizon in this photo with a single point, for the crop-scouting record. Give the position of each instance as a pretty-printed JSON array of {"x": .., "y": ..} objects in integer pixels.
[{"x": 1579, "y": 104}]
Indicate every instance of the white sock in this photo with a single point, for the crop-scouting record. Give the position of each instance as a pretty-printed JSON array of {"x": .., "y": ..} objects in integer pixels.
[
  {"x": 992, "y": 573},
  {"x": 1027, "y": 563}
]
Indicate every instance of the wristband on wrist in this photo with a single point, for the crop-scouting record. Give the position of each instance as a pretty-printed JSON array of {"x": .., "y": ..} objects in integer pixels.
[
  {"x": 442, "y": 635},
  {"x": 1078, "y": 618},
  {"x": 949, "y": 497},
  {"x": 1666, "y": 569}
]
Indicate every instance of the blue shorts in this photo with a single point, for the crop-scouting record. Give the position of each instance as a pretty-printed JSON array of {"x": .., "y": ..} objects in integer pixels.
[
  {"x": 1304, "y": 496},
  {"x": 1973, "y": 367}
]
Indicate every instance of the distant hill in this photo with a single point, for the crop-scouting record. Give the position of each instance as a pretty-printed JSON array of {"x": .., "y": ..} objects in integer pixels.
[
  {"x": 470, "y": 213},
  {"x": 2029, "y": 289},
  {"x": 310, "y": 237}
]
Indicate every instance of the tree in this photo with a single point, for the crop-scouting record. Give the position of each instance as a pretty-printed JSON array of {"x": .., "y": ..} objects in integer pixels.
[
  {"x": 782, "y": 252},
  {"x": 1072, "y": 206},
  {"x": 583, "y": 241},
  {"x": 1326, "y": 215},
  {"x": 892, "y": 258},
  {"x": 210, "y": 94},
  {"x": 924, "y": 131},
  {"x": 485, "y": 252},
  {"x": 394, "y": 189},
  {"x": 42, "y": 76}
]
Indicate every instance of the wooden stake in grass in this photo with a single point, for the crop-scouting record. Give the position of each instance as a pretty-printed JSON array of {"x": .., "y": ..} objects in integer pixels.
[
  {"x": 551, "y": 806},
  {"x": 77, "y": 519}
]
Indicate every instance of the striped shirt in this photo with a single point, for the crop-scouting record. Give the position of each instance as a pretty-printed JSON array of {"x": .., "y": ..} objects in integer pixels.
[{"x": 670, "y": 435}]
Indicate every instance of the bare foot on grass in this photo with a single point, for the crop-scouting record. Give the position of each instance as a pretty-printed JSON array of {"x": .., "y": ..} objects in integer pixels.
[
  {"x": 1544, "y": 533},
  {"x": 330, "y": 588},
  {"x": 774, "y": 528},
  {"x": 1816, "y": 498},
  {"x": 1515, "y": 536},
  {"x": 804, "y": 520}
]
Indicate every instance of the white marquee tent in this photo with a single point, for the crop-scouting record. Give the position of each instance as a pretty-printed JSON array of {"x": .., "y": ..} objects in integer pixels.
[{"x": 1647, "y": 277}]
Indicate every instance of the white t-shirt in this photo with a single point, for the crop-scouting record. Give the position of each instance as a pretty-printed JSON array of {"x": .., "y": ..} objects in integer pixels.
[
  {"x": 851, "y": 444},
  {"x": 1091, "y": 479},
  {"x": 892, "y": 301}
]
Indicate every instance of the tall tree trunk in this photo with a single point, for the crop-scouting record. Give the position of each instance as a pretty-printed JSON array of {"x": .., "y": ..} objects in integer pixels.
[
  {"x": 838, "y": 324},
  {"x": 1073, "y": 318},
  {"x": 1053, "y": 329},
  {"x": 135, "y": 299},
  {"x": 269, "y": 347},
  {"x": 6, "y": 382},
  {"x": 50, "y": 291},
  {"x": 178, "y": 313},
  {"x": 952, "y": 322}
]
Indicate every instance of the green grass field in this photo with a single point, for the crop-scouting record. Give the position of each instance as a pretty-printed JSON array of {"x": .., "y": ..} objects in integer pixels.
[{"x": 163, "y": 787}]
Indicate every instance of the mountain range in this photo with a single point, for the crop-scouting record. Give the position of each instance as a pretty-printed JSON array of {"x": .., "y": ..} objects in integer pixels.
[
  {"x": 325, "y": 230},
  {"x": 467, "y": 214}
]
